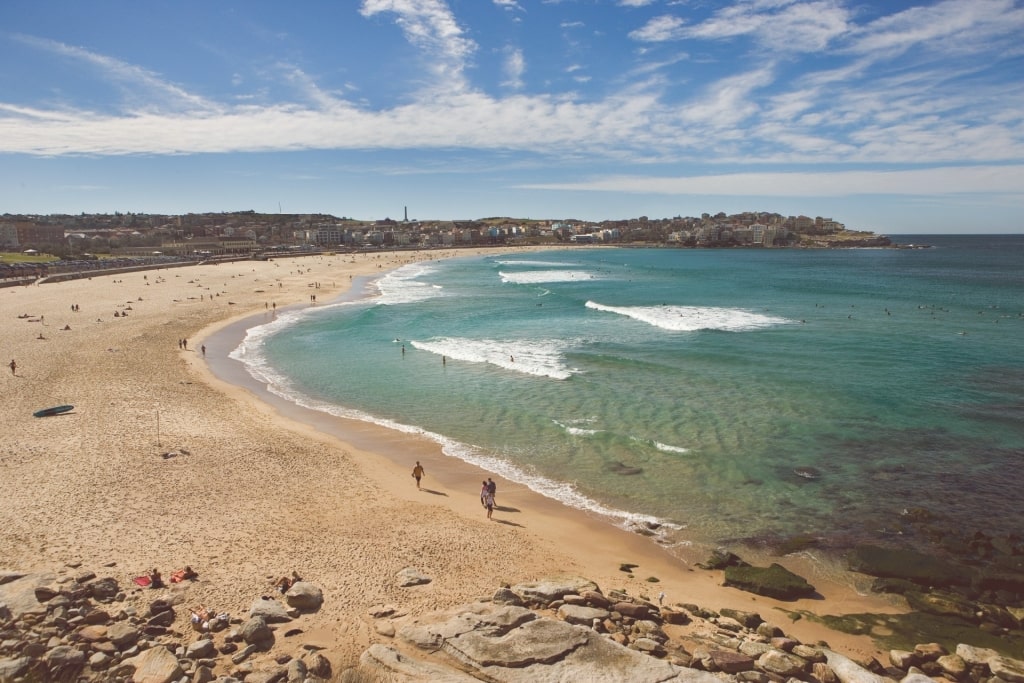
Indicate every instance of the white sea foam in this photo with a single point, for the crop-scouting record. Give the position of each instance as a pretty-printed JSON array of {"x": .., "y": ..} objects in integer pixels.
[
  {"x": 577, "y": 431},
  {"x": 401, "y": 286},
  {"x": 665, "y": 448},
  {"x": 533, "y": 277},
  {"x": 543, "y": 358},
  {"x": 694, "y": 318},
  {"x": 543, "y": 264}
]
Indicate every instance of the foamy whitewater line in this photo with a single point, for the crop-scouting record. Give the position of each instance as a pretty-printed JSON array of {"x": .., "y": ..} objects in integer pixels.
[
  {"x": 250, "y": 353},
  {"x": 693, "y": 318},
  {"x": 577, "y": 431},
  {"x": 524, "y": 262},
  {"x": 401, "y": 286},
  {"x": 533, "y": 277},
  {"x": 541, "y": 358},
  {"x": 665, "y": 448}
]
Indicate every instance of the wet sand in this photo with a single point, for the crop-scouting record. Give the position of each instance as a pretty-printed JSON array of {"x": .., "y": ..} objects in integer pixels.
[{"x": 172, "y": 458}]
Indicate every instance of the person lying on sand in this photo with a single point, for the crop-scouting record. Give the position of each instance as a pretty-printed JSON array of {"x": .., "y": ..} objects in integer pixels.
[
  {"x": 204, "y": 619},
  {"x": 186, "y": 574},
  {"x": 285, "y": 582}
]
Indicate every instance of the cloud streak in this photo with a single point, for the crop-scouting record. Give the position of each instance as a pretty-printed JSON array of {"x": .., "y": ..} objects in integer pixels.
[
  {"x": 859, "y": 108},
  {"x": 922, "y": 182}
]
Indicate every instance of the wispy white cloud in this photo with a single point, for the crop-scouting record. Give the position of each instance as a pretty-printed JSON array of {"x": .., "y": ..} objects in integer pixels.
[
  {"x": 952, "y": 26},
  {"x": 515, "y": 67},
  {"x": 925, "y": 182},
  {"x": 636, "y": 3},
  {"x": 430, "y": 25},
  {"x": 660, "y": 29},
  {"x": 508, "y": 4},
  {"x": 784, "y": 24},
  {"x": 860, "y": 108},
  {"x": 143, "y": 88}
]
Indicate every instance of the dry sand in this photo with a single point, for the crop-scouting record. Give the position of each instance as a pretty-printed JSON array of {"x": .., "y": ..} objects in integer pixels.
[{"x": 266, "y": 488}]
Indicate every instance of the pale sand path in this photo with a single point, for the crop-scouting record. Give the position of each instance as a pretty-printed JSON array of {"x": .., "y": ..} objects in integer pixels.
[{"x": 269, "y": 488}]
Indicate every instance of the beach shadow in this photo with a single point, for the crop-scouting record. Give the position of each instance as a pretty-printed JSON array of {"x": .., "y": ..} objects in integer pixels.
[
  {"x": 432, "y": 491},
  {"x": 501, "y": 508},
  {"x": 505, "y": 521}
]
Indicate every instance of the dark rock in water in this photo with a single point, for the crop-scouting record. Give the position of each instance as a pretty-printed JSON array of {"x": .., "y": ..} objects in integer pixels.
[
  {"x": 774, "y": 582},
  {"x": 1011, "y": 582},
  {"x": 619, "y": 468},
  {"x": 807, "y": 472},
  {"x": 720, "y": 559},
  {"x": 898, "y": 586},
  {"x": 922, "y": 569},
  {"x": 943, "y": 604}
]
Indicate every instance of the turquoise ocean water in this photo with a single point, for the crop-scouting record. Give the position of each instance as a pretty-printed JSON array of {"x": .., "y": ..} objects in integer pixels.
[{"x": 687, "y": 386}]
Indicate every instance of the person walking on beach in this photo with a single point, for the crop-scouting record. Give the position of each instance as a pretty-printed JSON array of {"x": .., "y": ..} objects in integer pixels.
[
  {"x": 492, "y": 489},
  {"x": 418, "y": 473},
  {"x": 14, "y": 367},
  {"x": 489, "y": 503},
  {"x": 483, "y": 494}
]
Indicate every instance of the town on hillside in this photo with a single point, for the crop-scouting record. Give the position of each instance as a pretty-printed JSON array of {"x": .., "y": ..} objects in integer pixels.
[{"x": 129, "y": 237}]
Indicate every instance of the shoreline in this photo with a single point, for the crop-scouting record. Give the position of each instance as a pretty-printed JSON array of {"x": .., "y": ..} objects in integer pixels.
[{"x": 266, "y": 487}]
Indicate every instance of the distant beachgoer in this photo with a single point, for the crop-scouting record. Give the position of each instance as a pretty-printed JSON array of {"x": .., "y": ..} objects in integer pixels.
[
  {"x": 203, "y": 349},
  {"x": 661, "y": 597},
  {"x": 184, "y": 344},
  {"x": 418, "y": 473},
  {"x": 186, "y": 574},
  {"x": 285, "y": 582},
  {"x": 201, "y": 618},
  {"x": 489, "y": 503},
  {"x": 492, "y": 488},
  {"x": 483, "y": 493},
  {"x": 155, "y": 580},
  {"x": 14, "y": 367}
]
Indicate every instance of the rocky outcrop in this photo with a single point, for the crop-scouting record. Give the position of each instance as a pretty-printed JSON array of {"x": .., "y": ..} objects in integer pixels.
[
  {"x": 87, "y": 628},
  {"x": 590, "y": 636},
  {"x": 774, "y": 582}
]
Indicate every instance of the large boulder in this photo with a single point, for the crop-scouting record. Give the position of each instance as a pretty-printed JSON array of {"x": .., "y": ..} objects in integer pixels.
[
  {"x": 513, "y": 645},
  {"x": 901, "y": 563},
  {"x": 105, "y": 589},
  {"x": 155, "y": 665},
  {"x": 269, "y": 610},
  {"x": 410, "y": 576},
  {"x": 256, "y": 632},
  {"x": 848, "y": 671},
  {"x": 11, "y": 669},
  {"x": 774, "y": 582},
  {"x": 581, "y": 614},
  {"x": 64, "y": 662},
  {"x": 547, "y": 591},
  {"x": 304, "y": 596}
]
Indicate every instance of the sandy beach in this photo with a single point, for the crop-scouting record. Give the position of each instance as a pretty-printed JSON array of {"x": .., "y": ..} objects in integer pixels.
[{"x": 253, "y": 488}]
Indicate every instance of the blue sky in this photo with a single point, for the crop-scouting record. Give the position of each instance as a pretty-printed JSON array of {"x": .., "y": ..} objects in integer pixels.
[{"x": 888, "y": 115}]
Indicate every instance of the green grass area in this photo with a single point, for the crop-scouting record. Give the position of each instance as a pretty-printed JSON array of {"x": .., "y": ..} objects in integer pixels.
[{"x": 18, "y": 257}]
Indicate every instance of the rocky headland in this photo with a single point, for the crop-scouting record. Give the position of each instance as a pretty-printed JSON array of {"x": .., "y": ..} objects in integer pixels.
[{"x": 76, "y": 625}]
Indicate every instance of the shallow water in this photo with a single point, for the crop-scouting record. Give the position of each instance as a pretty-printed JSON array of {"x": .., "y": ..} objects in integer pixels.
[{"x": 685, "y": 386}]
